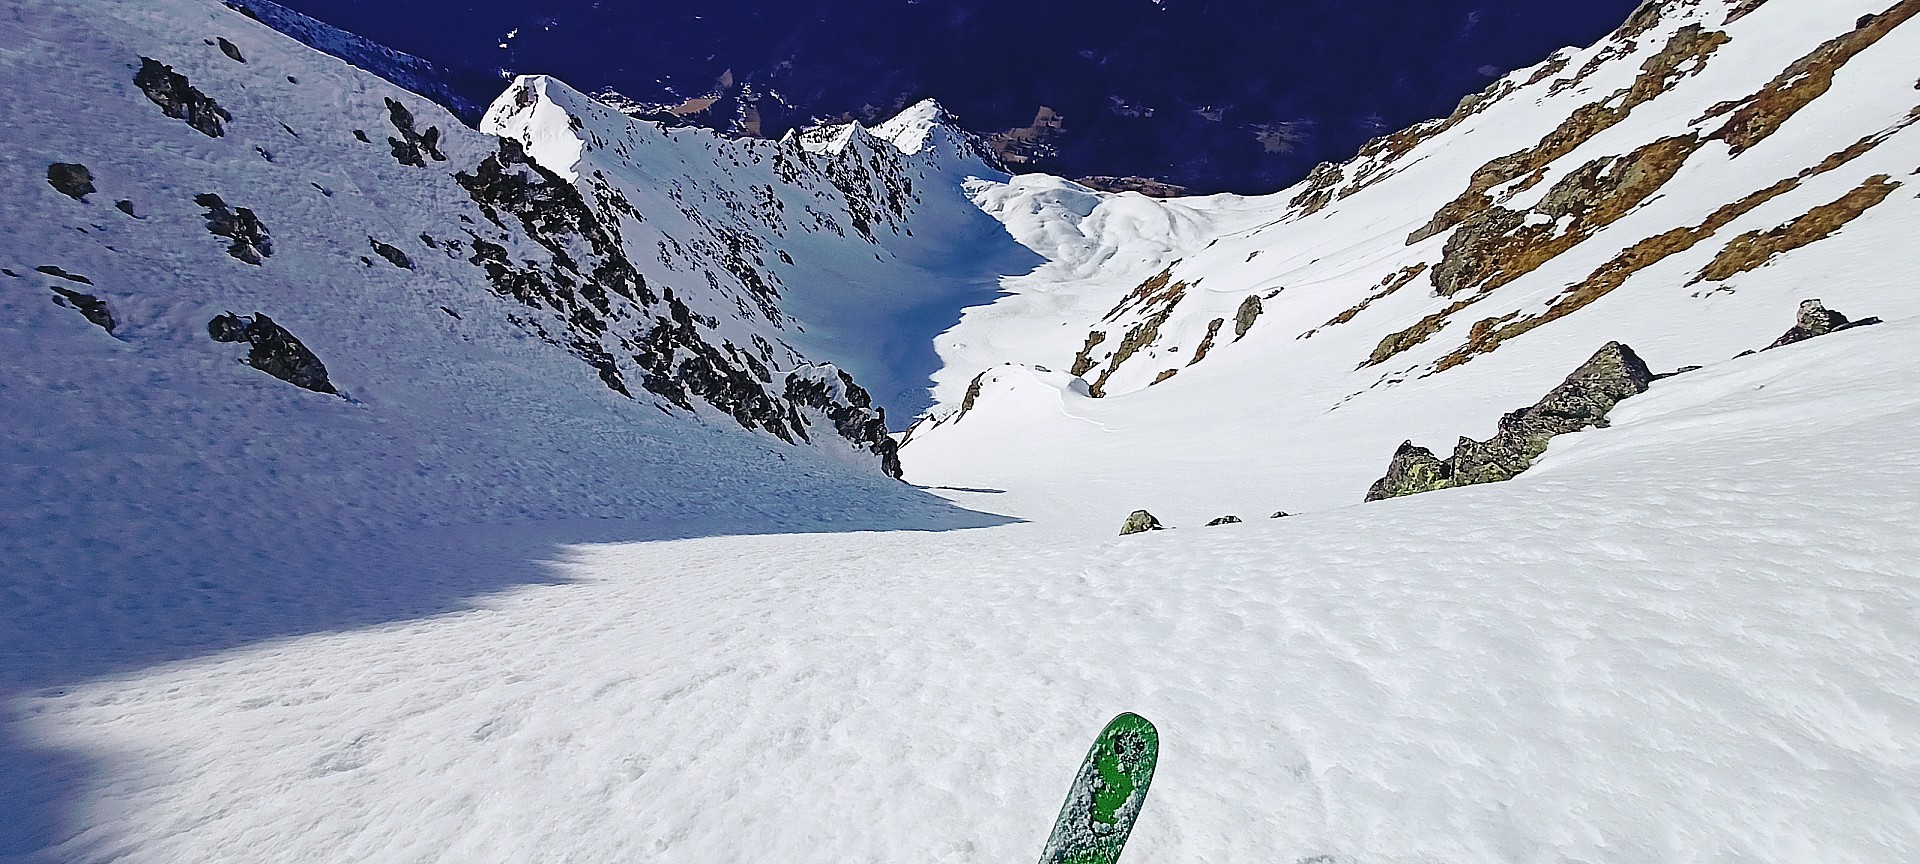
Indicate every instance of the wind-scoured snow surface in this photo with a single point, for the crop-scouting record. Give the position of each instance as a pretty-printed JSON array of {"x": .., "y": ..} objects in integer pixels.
[{"x": 483, "y": 607}]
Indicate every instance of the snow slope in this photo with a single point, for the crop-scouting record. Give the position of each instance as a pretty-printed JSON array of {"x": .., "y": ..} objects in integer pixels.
[
  {"x": 486, "y": 606},
  {"x": 1303, "y": 412},
  {"x": 514, "y": 368},
  {"x": 1687, "y": 638}
]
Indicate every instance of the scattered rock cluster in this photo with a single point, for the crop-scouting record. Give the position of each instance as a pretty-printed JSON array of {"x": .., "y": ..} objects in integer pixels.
[
  {"x": 92, "y": 308},
  {"x": 393, "y": 254},
  {"x": 412, "y": 147},
  {"x": 1581, "y": 402},
  {"x": 1141, "y": 521},
  {"x": 251, "y": 243}
]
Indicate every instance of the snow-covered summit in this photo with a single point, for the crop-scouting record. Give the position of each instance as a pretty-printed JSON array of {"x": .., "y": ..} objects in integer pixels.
[{"x": 910, "y": 129}]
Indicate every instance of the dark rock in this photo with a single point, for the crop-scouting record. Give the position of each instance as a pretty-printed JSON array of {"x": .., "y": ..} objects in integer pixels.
[
  {"x": 94, "y": 308},
  {"x": 1815, "y": 319},
  {"x": 972, "y": 395},
  {"x": 126, "y": 207},
  {"x": 1676, "y": 373},
  {"x": 250, "y": 241},
  {"x": 274, "y": 350},
  {"x": 1582, "y": 401},
  {"x": 58, "y": 273},
  {"x": 362, "y": 135},
  {"x": 1248, "y": 313},
  {"x": 229, "y": 49},
  {"x": 175, "y": 96},
  {"x": 412, "y": 147},
  {"x": 1414, "y": 470},
  {"x": 1224, "y": 520},
  {"x": 854, "y": 416},
  {"x": 71, "y": 179},
  {"x": 1282, "y": 514},
  {"x": 677, "y": 358},
  {"x": 392, "y": 253},
  {"x": 1139, "y": 522}
]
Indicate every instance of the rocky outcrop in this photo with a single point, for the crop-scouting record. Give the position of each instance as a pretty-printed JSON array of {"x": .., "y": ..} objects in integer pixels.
[
  {"x": 178, "y": 99},
  {"x": 1751, "y": 120},
  {"x": 251, "y": 242},
  {"x": 1488, "y": 335},
  {"x": 1754, "y": 249},
  {"x": 1144, "y": 185},
  {"x": 1224, "y": 520},
  {"x": 852, "y": 412},
  {"x": 393, "y": 254},
  {"x": 1083, "y": 362},
  {"x": 1582, "y": 401},
  {"x": 71, "y": 179},
  {"x": 1206, "y": 342},
  {"x": 1814, "y": 320},
  {"x": 1685, "y": 54},
  {"x": 412, "y": 147},
  {"x": 92, "y": 308},
  {"x": 1244, "y": 317},
  {"x": 1139, "y": 522},
  {"x": 273, "y": 350}
]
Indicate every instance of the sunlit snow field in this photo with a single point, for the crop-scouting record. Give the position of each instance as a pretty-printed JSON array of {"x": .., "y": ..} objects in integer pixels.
[{"x": 1667, "y": 643}]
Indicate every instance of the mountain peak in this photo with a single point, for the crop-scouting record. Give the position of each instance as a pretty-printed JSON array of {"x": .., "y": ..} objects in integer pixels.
[{"x": 911, "y": 129}]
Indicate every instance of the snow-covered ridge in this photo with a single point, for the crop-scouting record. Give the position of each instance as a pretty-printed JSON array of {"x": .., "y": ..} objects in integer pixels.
[
  {"x": 1680, "y": 187},
  {"x": 832, "y": 243},
  {"x": 406, "y": 70}
]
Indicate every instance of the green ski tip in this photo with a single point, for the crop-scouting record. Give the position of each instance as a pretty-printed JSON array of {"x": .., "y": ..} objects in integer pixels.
[{"x": 1106, "y": 794}]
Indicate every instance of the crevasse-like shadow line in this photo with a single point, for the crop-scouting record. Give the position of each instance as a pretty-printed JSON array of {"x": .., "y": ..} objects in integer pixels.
[{"x": 207, "y": 590}]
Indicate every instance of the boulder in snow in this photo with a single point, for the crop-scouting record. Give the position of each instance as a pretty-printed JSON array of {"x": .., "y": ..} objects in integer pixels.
[
  {"x": 274, "y": 350},
  {"x": 1140, "y": 521},
  {"x": 71, "y": 179},
  {"x": 1582, "y": 401},
  {"x": 1815, "y": 319}
]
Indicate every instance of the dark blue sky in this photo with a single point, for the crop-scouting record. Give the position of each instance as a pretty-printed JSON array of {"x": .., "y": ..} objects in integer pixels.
[{"x": 1243, "y": 95}]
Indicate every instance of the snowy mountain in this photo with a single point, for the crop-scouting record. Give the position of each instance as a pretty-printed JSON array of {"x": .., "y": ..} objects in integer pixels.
[
  {"x": 377, "y": 488},
  {"x": 1679, "y": 187}
]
